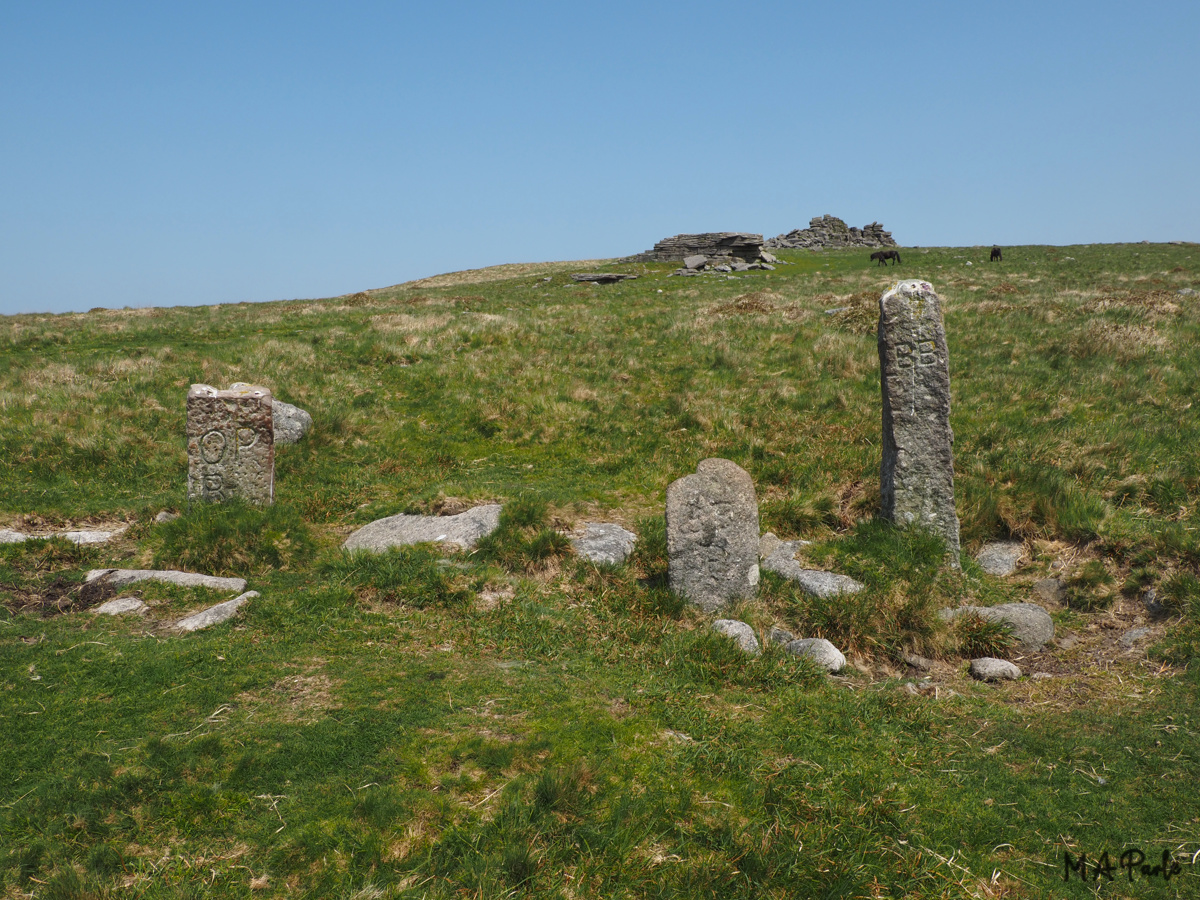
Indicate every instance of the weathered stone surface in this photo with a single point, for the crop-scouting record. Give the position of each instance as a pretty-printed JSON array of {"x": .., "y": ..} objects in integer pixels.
[
  {"x": 714, "y": 246},
  {"x": 712, "y": 535},
  {"x": 75, "y": 537},
  {"x": 827, "y": 232},
  {"x": 1132, "y": 636},
  {"x": 812, "y": 581},
  {"x": 463, "y": 530},
  {"x": 917, "y": 471},
  {"x": 290, "y": 422},
  {"x": 123, "y": 577},
  {"x": 1000, "y": 558},
  {"x": 605, "y": 543},
  {"x": 120, "y": 606},
  {"x": 231, "y": 445},
  {"x": 1154, "y": 606},
  {"x": 695, "y": 262},
  {"x": 166, "y": 516},
  {"x": 779, "y": 635},
  {"x": 742, "y": 633},
  {"x": 920, "y": 663},
  {"x": 988, "y": 668},
  {"x": 12, "y": 537},
  {"x": 820, "y": 651},
  {"x": 214, "y": 615},
  {"x": 1030, "y": 624},
  {"x": 1049, "y": 590}
]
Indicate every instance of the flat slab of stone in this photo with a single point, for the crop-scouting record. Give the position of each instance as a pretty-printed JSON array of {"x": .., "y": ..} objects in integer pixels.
[
  {"x": 741, "y": 633},
  {"x": 1000, "y": 558},
  {"x": 602, "y": 277},
  {"x": 1132, "y": 636},
  {"x": 917, "y": 468},
  {"x": 75, "y": 537},
  {"x": 463, "y": 530},
  {"x": 820, "y": 651},
  {"x": 123, "y": 577},
  {"x": 214, "y": 615},
  {"x": 12, "y": 537},
  {"x": 1030, "y": 624},
  {"x": 712, "y": 535},
  {"x": 230, "y": 445},
  {"x": 988, "y": 668},
  {"x": 120, "y": 606},
  {"x": 695, "y": 262},
  {"x": 816, "y": 582},
  {"x": 605, "y": 543}
]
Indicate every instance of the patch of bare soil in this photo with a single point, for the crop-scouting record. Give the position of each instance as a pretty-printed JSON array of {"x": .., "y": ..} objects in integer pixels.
[{"x": 55, "y": 599}]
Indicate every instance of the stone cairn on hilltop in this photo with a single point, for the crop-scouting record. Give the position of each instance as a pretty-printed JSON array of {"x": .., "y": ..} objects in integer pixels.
[{"x": 829, "y": 233}]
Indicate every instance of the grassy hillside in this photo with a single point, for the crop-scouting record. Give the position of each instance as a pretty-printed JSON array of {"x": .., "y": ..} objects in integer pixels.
[{"x": 517, "y": 722}]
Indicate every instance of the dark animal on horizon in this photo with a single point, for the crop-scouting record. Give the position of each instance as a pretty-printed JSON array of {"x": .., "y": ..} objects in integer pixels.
[
  {"x": 884, "y": 255},
  {"x": 996, "y": 255}
]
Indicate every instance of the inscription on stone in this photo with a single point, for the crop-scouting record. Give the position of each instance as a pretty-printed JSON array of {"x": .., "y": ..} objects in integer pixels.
[
  {"x": 917, "y": 472},
  {"x": 231, "y": 449}
]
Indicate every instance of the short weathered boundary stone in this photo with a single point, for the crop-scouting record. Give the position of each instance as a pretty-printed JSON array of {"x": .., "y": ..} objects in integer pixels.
[
  {"x": 463, "y": 530},
  {"x": 290, "y": 423},
  {"x": 123, "y": 577},
  {"x": 917, "y": 470},
  {"x": 712, "y": 535},
  {"x": 231, "y": 445}
]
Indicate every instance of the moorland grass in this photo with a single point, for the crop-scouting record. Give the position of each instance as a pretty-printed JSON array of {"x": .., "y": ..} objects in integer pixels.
[{"x": 519, "y": 722}]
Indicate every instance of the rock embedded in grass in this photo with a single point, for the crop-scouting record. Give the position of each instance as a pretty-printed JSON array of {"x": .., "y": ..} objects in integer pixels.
[
  {"x": 463, "y": 530},
  {"x": 605, "y": 543},
  {"x": 816, "y": 582},
  {"x": 741, "y": 633},
  {"x": 120, "y": 606},
  {"x": 780, "y": 636},
  {"x": 712, "y": 535},
  {"x": 289, "y": 423},
  {"x": 820, "y": 651},
  {"x": 1000, "y": 558},
  {"x": 12, "y": 537},
  {"x": 1030, "y": 624},
  {"x": 214, "y": 615},
  {"x": 1132, "y": 636},
  {"x": 988, "y": 668},
  {"x": 123, "y": 577},
  {"x": 917, "y": 469}
]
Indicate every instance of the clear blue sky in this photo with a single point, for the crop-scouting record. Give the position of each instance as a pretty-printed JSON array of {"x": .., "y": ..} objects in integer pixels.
[{"x": 168, "y": 153}]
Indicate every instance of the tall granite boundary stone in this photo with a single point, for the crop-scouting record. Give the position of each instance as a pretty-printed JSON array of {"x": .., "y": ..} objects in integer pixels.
[
  {"x": 917, "y": 470},
  {"x": 712, "y": 535},
  {"x": 231, "y": 445}
]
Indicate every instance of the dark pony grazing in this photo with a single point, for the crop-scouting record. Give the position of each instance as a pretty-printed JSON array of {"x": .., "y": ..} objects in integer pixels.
[
  {"x": 996, "y": 255},
  {"x": 884, "y": 255}
]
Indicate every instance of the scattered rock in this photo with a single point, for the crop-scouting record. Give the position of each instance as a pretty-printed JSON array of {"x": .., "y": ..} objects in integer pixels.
[
  {"x": 779, "y": 635},
  {"x": 605, "y": 543},
  {"x": 1030, "y": 624},
  {"x": 819, "y": 651},
  {"x": 166, "y": 516},
  {"x": 768, "y": 544},
  {"x": 769, "y": 259},
  {"x": 920, "y": 663},
  {"x": 120, "y": 606},
  {"x": 917, "y": 471},
  {"x": 812, "y": 581},
  {"x": 11, "y": 537},
  {"x": 1050, "y": 590},
  {"x": 1132, "y": 636},
  {"x": 215, "y": 614},
  {"x": 1000, "y": 558},
  {"x": 712, "y": 535},
  {"x": 723, "y": 245},
  {"x": 602, "y": 277},
  {"x": 123, "y": 577},
  {"x": 742, "y": 633},
  {"x": 827, "y": 232},
  {"x": 1041, "y": 676},
  {"x": 695, "y": 262},
  {"x": 1150, "y": 600},
  {"x": 464, "y": 530},
  {"x": 1186, "y": 292},
  {"x": 989, "y": 668}
]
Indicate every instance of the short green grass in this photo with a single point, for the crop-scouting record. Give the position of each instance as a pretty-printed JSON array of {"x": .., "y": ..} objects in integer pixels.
[{"x": 516, "y": 722}]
